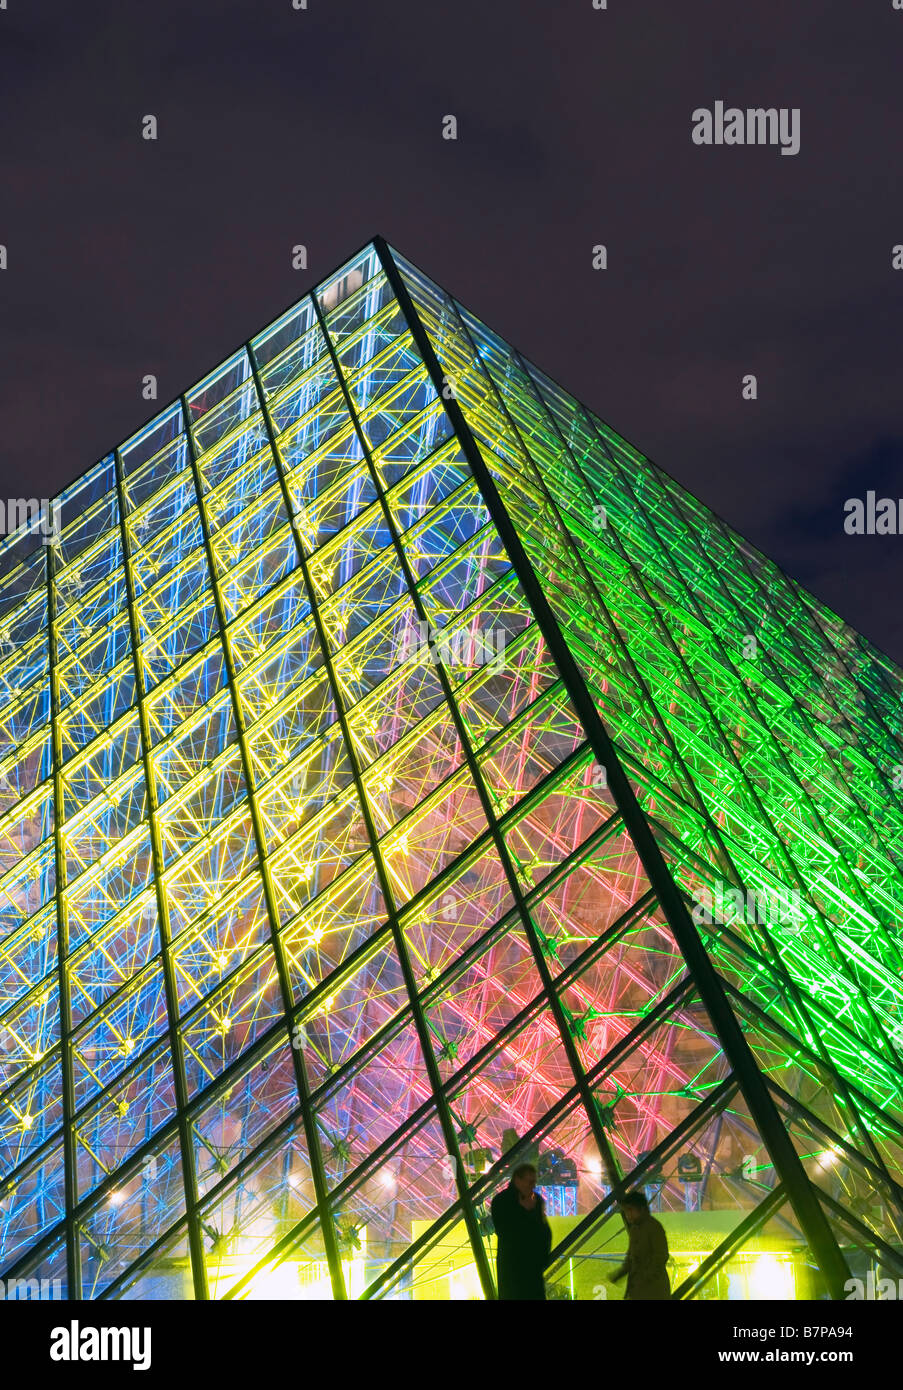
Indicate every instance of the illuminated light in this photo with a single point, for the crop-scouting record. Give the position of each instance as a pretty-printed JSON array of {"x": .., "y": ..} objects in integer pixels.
[
  {"x": 26, "y": 1121},
  {"x": 116, "y": 1198},
  {"x": 464, "y": 1284},
  {"x": 314, "y": 1281},
  {"x": 283, "y": 1282},
  {"x": 770, "y": 1277},
  {"x": 354, "y": 1273},
  {"x": 592, "y": 1164},
  {"x": 388, "y": 1181},
  {"x": 302, "y": 1280}
]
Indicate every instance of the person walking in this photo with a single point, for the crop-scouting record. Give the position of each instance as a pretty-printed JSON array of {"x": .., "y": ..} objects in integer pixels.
[
  {"x": 524, "y": 1236},
  {"x": 647, "y": 1252}
]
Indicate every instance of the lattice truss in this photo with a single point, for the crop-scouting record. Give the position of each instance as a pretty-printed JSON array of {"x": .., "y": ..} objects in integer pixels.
[{"x": 306, "y": 921}]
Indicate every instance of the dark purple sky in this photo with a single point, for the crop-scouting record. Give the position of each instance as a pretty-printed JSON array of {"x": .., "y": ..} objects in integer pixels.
[{"x": 323, "y": 127}]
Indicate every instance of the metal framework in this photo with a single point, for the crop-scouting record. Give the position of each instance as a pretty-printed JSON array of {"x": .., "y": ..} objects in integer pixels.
[{"x": 400, "y": 774}]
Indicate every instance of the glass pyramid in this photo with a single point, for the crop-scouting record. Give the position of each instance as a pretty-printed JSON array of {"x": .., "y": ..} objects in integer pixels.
[{"x": 402, "y": 776}]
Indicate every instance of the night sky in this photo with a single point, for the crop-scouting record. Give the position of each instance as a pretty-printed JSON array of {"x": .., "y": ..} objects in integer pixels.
[{"x": 324, "y": 127}]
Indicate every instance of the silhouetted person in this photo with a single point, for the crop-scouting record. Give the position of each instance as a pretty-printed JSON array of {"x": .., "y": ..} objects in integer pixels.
[
  {"x": 647, "y": 1252},
  {"x": 524, "y": 1236}
]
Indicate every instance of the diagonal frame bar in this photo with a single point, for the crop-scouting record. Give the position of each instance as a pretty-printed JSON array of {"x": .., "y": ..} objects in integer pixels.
[{"x": 762, "y": 1108}]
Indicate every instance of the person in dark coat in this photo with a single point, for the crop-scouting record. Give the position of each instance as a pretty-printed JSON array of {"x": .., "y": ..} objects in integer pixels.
[
  {"x": 524, "y": 1236},
  {"x": 647, "y": 1252}
]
